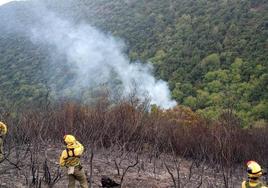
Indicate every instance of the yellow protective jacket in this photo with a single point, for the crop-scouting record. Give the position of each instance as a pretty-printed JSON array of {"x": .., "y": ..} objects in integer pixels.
[
  {"x": 253, "y": 184},
  {"x": 3, "y": 129},
  {"x": 71, "y": 155}
]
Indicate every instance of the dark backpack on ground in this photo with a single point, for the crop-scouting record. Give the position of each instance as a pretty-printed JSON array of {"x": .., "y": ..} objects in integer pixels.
[{"x": 108, "y": 182}]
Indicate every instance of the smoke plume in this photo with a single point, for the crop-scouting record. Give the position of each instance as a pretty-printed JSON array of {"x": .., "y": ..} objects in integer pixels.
[{"x": 97, "y": 58}]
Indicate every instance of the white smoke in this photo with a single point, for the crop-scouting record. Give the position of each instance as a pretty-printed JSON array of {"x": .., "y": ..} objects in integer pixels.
[
  {"x": 2, "y": 2},
  {"x": 97, "y": 57}
]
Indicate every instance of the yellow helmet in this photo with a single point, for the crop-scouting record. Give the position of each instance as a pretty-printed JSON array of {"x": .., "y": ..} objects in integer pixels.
[
  {"x": 69, "y": 139},
  {"x": 3, "y": 128},
  {"x": 254, "y": 169}
]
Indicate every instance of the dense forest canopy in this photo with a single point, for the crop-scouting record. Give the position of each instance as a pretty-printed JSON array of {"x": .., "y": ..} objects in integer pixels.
[{"x": 213, "y": 53}]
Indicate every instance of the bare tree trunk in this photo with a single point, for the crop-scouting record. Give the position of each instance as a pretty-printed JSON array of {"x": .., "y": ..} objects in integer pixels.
[
  {"x": 125, "y": 171},
  {"x": 91, "y": 168}
]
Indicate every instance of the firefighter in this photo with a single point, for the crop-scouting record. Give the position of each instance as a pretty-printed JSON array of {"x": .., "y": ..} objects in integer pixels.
[
  {"x": 70, "y": 158},
  {"x": 254, "y": 171},
  {"x": 3, "y": 132}
]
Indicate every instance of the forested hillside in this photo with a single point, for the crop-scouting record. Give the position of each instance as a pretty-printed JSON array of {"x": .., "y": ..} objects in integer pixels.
[{"x": 213, "y": 53}]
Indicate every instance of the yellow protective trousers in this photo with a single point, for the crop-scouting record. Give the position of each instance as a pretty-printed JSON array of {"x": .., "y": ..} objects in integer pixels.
[
  {"x": 79, "y": 175},
  {"x": 1, "y": 148}
]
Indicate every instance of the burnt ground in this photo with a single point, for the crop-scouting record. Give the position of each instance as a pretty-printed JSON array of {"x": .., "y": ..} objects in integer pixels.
[{"x": 148, "y": 173}]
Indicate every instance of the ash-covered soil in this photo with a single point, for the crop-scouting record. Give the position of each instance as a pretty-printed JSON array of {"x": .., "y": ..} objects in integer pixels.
[{"x": 28, "y": 167}]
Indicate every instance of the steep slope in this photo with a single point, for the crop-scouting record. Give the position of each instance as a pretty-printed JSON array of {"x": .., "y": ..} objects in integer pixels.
[{"x": 212, "y": 53}]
